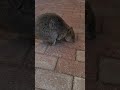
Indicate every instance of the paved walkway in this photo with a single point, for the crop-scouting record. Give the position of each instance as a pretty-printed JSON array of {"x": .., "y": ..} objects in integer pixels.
[{"x": 61, "y": 67}]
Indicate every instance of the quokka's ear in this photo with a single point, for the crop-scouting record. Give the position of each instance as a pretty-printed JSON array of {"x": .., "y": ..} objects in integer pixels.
[
  {"x": 70, "y": 29},
  {"x": 72, "y": 32}
]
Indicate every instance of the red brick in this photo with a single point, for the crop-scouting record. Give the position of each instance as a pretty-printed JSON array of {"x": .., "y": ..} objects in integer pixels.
[
  {"x": 74, "y": 68},
  {"x": 37, "y": 42},
  {"x": 76, "y": 21},
  {"x": 79, "y": 84},
  {"x": 79, "y": 30},
  {"x": 39, "y": 89},
  {"x": 80, "y": 8},
  {"x": 68, "y": 6},
  {"x": 82, "y": 28},
  {"x": 82, "y": 18},
  {"x": 66, "y": 12},
  {"x": 40, "y": 48},
  {"x": 73, "y": 21},
  {"x": 61, "y": 51},
  {"x": 79, "y": 42},
  {"x": 48, "y": 9},
  {"x": 45, "y": 62},
  {"x": 80, "y": 56},
  {"x": 79, "y": 1},
  {"x": 43, "y": 1},
  {"x": 53, "y": 10},
  {"x": 52, "y": 81}
]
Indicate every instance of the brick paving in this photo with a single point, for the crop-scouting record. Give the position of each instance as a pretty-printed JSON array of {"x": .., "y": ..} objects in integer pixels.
[
  {"x": 79, "y": 84},
  {"x": 52, "y": 81},
  {"x": 61, "y": 67},
  {"x": 45, "y": 62}
]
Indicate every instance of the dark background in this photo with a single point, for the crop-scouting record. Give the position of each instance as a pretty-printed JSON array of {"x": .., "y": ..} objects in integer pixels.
[
  {"x": 17, "y": 45},
  {"x": 105, "y": 45}
]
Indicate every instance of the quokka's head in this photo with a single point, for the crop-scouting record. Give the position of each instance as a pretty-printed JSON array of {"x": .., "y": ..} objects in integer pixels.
[{"x": 70, "y": 37}]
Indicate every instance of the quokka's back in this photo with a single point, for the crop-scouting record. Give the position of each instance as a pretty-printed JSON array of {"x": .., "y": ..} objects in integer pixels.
[{"x": 51, "y": 27}]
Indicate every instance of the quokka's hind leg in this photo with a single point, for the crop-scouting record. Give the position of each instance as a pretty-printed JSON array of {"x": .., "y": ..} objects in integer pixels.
[
  {"x": 53, "y": 38},
  {"x": 52, "y": 42}
]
